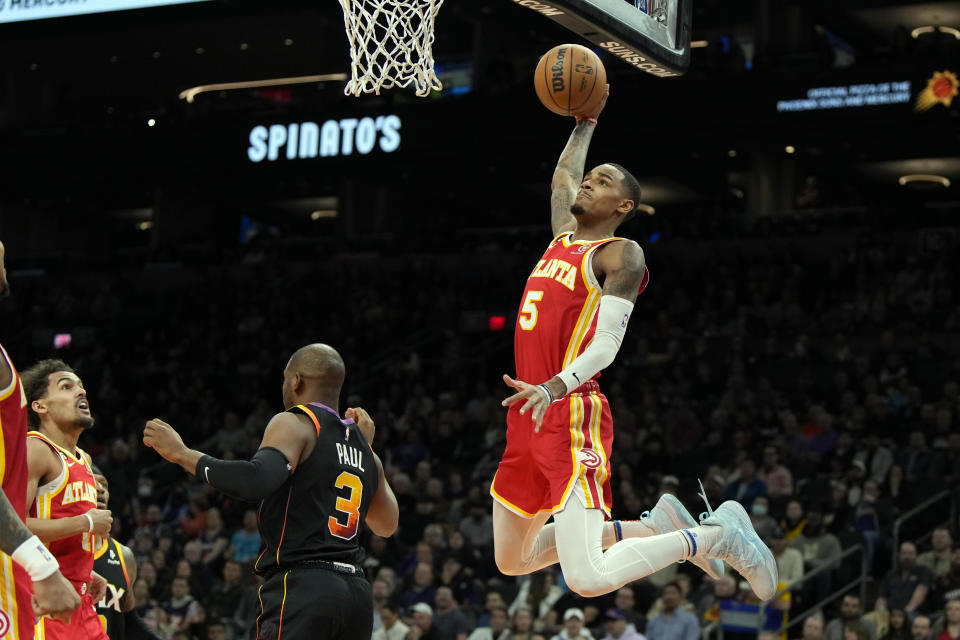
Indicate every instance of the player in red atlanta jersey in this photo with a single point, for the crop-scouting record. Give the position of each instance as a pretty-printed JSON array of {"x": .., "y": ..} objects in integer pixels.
[
  {"x": 27, "y": 569},
  {"x": 573, "y": 317},
  {"x": 62, "y": 492}
]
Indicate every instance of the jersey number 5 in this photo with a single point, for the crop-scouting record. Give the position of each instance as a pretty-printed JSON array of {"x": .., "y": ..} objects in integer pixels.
[
  {"x": 349, "y": 506},
  {"x": 528, "y": 313}
]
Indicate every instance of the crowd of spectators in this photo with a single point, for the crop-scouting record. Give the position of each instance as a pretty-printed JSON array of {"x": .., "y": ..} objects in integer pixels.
[{"x": 818, "y": 387}]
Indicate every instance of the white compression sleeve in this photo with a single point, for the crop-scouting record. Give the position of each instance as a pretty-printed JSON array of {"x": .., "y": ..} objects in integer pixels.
[
  {"x": 612, "y": 317},
  {"x": 590, "y": 571}
]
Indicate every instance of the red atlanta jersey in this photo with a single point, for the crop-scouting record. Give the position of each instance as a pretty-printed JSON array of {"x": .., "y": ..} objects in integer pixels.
[
  {"x": 72, "y": 493},
  {"x": 16, "y": 588},
  {"x": 13, "y": 446},
  {"x": 558, "y": 315}
]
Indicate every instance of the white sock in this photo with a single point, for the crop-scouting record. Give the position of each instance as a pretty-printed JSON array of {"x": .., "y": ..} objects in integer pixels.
[{"x": 704, "y": 537}]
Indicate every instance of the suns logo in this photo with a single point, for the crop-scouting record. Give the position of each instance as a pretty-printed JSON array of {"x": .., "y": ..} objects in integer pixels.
[{"x": 588, "y": 458}]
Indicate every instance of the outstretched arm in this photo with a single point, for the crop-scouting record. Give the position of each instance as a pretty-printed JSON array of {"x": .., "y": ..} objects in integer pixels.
[
  {"x": 567, "y": 177},
  {"x": 569, "y": 172},
  {"x": 284, "y": 440}
]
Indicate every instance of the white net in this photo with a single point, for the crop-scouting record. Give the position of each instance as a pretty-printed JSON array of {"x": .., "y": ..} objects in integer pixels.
[{"x": 391, "y": 45}]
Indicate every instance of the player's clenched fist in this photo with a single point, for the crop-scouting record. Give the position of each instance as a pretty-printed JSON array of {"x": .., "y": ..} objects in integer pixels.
[
  {"x": 364, "y": 423},
  {"x": 161, "y": 437},
  {"x": 97, "y": 587},
  {"x": 102, "y": 521},
  {"x": 54, "y": 596}
]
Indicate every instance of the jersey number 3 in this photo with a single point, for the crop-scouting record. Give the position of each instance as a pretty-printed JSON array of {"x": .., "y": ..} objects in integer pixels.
[
  {"x": 348, "y": 506},
  {"x": 528, "y": 313}
]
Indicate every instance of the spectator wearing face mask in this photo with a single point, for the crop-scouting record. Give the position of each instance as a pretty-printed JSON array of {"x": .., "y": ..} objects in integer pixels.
[{"x": 760, "y": 516}]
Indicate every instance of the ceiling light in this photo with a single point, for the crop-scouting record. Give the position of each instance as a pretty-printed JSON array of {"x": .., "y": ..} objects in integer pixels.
[
  {"x": 790, "y": 148},
  {"x": 323, "y": 213},
  {"x": 732, "y": 153},
  {"x": 244, "y": 46},
  {"x": 919, "y": 31},
  {"x": 923, "y": 180},
  {"x": 647, "y": 209},
  {"x": 288, "y": 42},
  {"x": 699, "y": 44},
  {"x": 151, "y": 122},
  {"x": 146, "y": 225},
  {"x": 201, "y": 51}
]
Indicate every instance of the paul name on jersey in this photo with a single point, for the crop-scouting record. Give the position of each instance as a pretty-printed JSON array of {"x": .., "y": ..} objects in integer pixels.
[{"x": 348, "y": 456}]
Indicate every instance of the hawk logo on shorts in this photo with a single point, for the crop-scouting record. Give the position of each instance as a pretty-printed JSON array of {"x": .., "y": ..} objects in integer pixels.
[
  {"x": 588, "y": 458},
  {"x": 4, "y": 619}
]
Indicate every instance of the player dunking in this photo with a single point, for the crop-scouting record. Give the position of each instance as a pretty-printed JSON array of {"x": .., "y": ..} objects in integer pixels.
[
  {"x": 573, "y": 317},
  {"x": 62, "y": 492},
  {"x": 318, "y": 479},
  {"x": 27, "y": 569}
]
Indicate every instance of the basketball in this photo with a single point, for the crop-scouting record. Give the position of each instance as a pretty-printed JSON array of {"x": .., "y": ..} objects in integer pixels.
[{"x": 570, "y": 80}]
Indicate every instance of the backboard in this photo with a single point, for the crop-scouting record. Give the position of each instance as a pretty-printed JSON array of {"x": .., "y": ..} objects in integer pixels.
[{"x": 651, "y": 35}]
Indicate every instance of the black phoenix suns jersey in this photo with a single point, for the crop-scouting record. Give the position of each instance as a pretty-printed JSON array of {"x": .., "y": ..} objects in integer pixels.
[
  {"x": 108, "y": 561},
  {"x": 318, "y": 511}
]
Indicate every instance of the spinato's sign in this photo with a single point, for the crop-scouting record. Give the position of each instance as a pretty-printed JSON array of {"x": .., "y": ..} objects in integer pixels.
[
  {"x": 302, "y": 140},
  {"x": 20, "y": 10}
]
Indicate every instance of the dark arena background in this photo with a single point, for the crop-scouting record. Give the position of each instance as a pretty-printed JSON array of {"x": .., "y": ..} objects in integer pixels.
[{"x": 797, "y": 349}]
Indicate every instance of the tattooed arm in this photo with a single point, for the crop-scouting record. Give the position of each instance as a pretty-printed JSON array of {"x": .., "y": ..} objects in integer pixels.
[
  {"x": 569, "y": 172},
  {"x": 567, "y": 178},
  {"x": 622, "y": 265},
  {"x": 13, "y": 531}
]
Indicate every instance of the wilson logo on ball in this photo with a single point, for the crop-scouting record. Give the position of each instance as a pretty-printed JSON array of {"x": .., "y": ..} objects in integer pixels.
[{"x": 557, "y": 68}]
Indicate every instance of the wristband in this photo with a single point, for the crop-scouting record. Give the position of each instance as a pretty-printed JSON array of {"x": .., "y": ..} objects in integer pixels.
[
  {"x": 35, "y": 558},
  {"x": 546, "y": 390},
  {"x": 583, "y": 119},
  {"x": 89, "y": 521}
]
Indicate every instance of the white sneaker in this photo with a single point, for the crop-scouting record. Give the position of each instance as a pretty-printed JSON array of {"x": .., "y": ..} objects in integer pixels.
[
  {"x": 668, "y": 515},
  {"x": 739, "y": 546}
]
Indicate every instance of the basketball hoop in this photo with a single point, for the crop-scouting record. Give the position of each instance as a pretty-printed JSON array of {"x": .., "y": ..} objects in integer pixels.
[{"x": 391, "y": 45}]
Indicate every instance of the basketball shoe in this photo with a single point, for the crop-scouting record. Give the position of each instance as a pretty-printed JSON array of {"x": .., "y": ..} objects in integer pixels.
[
  {"x": 668, "y": 515},
  {"x": 737, "y": 543}
]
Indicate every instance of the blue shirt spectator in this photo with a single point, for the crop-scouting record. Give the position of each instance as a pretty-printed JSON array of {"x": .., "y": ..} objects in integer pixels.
[
  {"x": 747, "y": 487},
  {"x": 246, "y": 542},
  {"x": 673, "y": 623}
]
